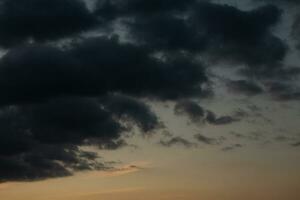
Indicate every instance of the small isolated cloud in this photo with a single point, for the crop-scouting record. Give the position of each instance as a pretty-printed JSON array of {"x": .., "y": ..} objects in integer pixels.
[
  {"x": 206, "y": 140},
  {"x": 198, "y": 114},
  {"x": 177, "y": 141},
  {"x": 223, "y": 120},
  {"x": 232, "y": 147},
  {"x": 296, "y": 144},
  {"x": 283, "y": 138}
]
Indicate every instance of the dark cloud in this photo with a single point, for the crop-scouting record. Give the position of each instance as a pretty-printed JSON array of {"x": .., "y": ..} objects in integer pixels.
[
  {"x": 111, "y": 9},
  {"x": 128, "y": 108},
  {"x": 153, "y": 6},
  {"x": 244, "y": 21},
  {"x": 296, "y": 31},
  {"x": 206, "y": 140},
  {"x": 245, "y": 87},
  {"x": 296, "y": 144},
  {"x": 131, "y": 70},
  {"x": 94, "y": 67},
  {"x": 289, "y": 2},
  {"x": 13, "y": 135},
  {"x": 111, "y": 145},
  {"x": 221, "y": 32},
  {"x": 194, "y": 111},
  {"x": 71, "y": 120},
  {"x": 41, "y": 140},
  {"x": 166, "y": 32},
  {"x": 283, "y": 91},
  {"x": 223, "y": 120},
  {"x": 174, "y": 141},
  {"x": 242, "y": 36},
  {"x": 42, "y": 20},
  {"x": 93, "y": 90},
  {"x": 56, "y": 121},
  {"x": 177, "y": 141},
  {"x": 38, "y": 72},
  {"x": 292, "y": 96},
  {"x": 283, "y": 138},
  {"x": 198, "y": 114},
  {"x": 296, "y": 25},
  {"x": 45, "y": 161},
  {"x": 277, "y": 72},
  {"x": 53, "y": 96},
  {"x": 252, "y": 136}
]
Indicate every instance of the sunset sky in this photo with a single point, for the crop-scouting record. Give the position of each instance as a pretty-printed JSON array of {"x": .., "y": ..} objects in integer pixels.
[{"x": 149, "y": 99}]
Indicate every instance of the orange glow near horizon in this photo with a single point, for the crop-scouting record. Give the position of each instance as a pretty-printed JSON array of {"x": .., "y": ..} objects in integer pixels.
[{"x": 219, "y": 177}]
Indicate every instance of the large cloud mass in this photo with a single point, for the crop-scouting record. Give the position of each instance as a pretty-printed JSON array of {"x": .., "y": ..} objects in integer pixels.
[
  {"x": 67, "y": 80},
  {"x": 64, "y": 97}
]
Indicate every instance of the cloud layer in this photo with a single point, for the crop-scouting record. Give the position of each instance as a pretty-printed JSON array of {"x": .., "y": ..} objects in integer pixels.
[{"x": 72, "y": 75}]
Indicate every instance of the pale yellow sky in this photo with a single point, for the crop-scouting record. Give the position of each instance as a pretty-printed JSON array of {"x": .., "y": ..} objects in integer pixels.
[
  {"x": 192, "y": 175},
  {"x": 256, "y": 171}
]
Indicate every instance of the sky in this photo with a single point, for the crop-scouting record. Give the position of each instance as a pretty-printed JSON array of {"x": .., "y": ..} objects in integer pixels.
[{"x": 149, "y": 99}]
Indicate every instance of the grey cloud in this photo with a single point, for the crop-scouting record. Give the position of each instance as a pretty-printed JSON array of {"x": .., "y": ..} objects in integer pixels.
[
  {"x": 41, "y": 140},
  {"x": 94, "y": 67},
  {"x": 223, "y": 120},
  {"x": 195, "y": 112},
  {"x": 177, "y": 141},
  {"x": 206, "y": 140},
  {"x": 46, "y": 161},
  {"x": 128, "y": 108},
  {"x": 283, "y": 91},
  {"x": 245, "y": 87},
  {"x": 232, "y": 147},
  {"x": 198, "y": 114},
  {"x": 296, "y": 144}
]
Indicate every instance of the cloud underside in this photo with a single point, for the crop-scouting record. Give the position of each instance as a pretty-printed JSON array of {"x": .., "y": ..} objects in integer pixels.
[
  {"x": 67, "y": 79},
  {"x": 197, "y": 114}
]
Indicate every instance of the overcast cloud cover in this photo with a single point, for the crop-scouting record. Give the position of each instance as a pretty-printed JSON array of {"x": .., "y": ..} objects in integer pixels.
[{"x": 69, "y": 78}]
